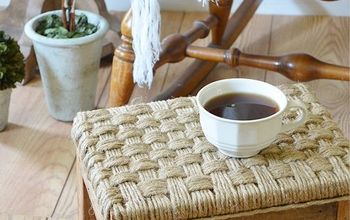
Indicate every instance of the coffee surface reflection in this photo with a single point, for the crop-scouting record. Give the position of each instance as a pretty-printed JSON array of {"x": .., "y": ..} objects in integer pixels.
[{"x": 241, "y": 106}]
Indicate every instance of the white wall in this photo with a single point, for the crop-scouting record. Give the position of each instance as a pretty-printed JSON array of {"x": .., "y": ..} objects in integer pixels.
[{"x": 284, "y": 7}]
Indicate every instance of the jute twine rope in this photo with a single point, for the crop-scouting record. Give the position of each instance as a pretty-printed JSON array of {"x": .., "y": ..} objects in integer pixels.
[{"x": 152, "y": 161}]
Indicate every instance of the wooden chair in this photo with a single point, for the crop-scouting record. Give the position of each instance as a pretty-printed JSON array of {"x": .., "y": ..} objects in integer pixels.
[{"x": 225, "y": 30}]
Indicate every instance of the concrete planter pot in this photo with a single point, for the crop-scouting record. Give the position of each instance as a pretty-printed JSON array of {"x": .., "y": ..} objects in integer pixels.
[
  {"x": 5, "y": 96},
  {"x": 68, "y": 67}
]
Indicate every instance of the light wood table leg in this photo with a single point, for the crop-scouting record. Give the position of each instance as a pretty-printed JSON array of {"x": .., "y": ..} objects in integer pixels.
[
  {"x": 85, "y": 210},
  {"x": 343, "y": 210}
]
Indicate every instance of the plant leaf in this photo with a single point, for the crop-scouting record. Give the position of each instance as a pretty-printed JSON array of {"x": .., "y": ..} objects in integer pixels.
[
  {"x": 52, "y": 27},
  {"x": 11, "y": 62}
]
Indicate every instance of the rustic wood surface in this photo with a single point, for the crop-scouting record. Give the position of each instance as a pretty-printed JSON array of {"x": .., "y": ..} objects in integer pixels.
[
  {"x": 343, "y": 212},
  {"x": 37, "y": 174},
  {"x": 5, "y": 216},
  {"x": 36, "y": 154}
]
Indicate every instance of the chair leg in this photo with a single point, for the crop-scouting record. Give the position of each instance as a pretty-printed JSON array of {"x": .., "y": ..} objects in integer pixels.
[
  {"x": 30, "y": 66},
  {"x": 121, "y": 78},
  {"x": 343, "y": 210},
  {"x": 221, "y": 9},
  {"x": 85, "y": 210}
]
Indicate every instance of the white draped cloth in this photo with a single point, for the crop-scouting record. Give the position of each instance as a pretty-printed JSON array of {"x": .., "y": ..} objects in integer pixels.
[{"x": 146, "y": 40}]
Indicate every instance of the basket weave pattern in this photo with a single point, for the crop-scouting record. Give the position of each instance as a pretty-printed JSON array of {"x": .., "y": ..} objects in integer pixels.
[{"x": 152, "y": 161}]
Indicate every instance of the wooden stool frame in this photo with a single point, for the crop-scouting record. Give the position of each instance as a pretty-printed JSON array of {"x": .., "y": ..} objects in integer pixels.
[{"x": 225, "y": 30}]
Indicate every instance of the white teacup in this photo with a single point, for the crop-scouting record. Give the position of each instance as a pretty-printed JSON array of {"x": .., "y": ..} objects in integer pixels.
[{"x": 245, "y": 138}]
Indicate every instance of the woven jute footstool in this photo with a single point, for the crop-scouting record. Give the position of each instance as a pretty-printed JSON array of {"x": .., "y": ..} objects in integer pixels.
[{"x": 152, "y": 161}]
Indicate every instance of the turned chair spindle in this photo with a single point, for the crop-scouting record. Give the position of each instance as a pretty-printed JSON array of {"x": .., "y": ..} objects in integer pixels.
[{"x": 297, "y": 67}]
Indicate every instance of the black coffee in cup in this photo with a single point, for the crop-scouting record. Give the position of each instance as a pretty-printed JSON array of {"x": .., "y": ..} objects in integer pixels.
[{"x": 241, "y": 106}]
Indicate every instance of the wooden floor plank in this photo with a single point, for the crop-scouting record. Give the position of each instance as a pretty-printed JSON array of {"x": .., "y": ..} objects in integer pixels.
[
  {"x": 103, "y": 79},
  {"x": 4, "y": 216},
  {"x": 20, "y": 217},
  {"x": 36, "y": 154},
  {"x": 104, "y": 74},
  {"x": 325, "y": 38},
  {"x": 67, "y": 205},
  {"x": 103, "y": 98}
]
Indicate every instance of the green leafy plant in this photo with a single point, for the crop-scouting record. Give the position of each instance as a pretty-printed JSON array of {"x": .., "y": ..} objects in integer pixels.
[
  {"x": 67, "y": 26},
  {"x": 52, "y": 27},
  {"x": 11, "y": 62}
]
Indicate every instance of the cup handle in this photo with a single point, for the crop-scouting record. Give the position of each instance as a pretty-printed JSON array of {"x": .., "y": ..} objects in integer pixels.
[{"x": 300, "y": 120}]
